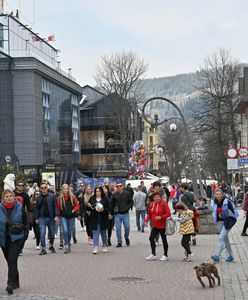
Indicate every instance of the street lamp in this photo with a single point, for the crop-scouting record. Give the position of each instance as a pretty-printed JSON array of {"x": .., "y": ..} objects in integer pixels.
[{"x": 160, "y": 117}]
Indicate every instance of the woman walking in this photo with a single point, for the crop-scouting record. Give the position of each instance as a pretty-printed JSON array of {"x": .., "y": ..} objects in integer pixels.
[
  {"x": 35, "y": 226},
  {"x": 111, "y": 218},
  {"x": 99, "y": 221},
  {"x": 14, "y": 228},
  {"x": 86, "y": 211},
  {"x": 225, "y": 215},
  {"x": 68, "y": 209},
  {"x": 158, "y": 212},
  {"x": 185, "y": 218}
]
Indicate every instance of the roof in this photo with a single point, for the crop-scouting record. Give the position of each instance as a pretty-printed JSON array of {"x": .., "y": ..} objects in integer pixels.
[{"x": 92, "y": 96}]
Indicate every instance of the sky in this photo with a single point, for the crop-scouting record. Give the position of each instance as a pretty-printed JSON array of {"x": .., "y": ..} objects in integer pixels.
[{"x": 172, "y": 36}]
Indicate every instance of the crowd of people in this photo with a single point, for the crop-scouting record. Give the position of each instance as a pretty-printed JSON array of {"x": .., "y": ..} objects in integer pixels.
[{"x": 104, "y": 208}]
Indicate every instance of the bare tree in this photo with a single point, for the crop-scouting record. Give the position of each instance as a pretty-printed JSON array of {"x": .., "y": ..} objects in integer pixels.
[
  {"x": 176, "y": 151},
  {"x": 119, "y": 77},
  {"x": 215, "y": 121}
]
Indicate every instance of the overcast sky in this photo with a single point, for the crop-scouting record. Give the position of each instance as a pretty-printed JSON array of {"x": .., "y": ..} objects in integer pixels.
[{"x": 172, "y": 36}]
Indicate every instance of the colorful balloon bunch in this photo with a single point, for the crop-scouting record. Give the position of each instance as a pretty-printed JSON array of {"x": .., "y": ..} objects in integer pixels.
[{"x": 137, "y": 161}]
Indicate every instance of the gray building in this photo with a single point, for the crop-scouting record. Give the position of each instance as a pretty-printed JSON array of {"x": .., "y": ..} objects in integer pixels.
[{"x": 39, "y": 103}]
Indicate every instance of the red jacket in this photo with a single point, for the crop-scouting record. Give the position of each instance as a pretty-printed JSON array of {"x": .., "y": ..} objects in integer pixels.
[
  {"x": 159, "y": 209},
  {"x": 75, "y": 204}
]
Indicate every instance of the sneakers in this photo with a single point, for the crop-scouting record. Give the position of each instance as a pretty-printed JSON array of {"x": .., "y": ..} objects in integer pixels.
[
  {"x": 118, "y": 245},
  {"x": 51, "y": 248},
  {"x": 61, "y": 246},
  {"x": 43, "y": 252},
  {"x": 229, "y": 259},
  {"x": 142, "y": 230},
  {"x": 244, "y": 234},
  {"x": 9, "y": 289},
  {"x": 215, "y": 258},
  {"x": 37, "y": 247},
  {"x": 164, "y": 258},
  {"x": 74, "y": 240},
  {"x": 91, "y": 242},
  {"x": 127, "y": 242},
  {"x": 105, "y": 249},
  {"x": 21, "y": 253},
  {"x": 151, "y": 257},
  {"x": 67, "y": 249},
  {"x": 95, "y": 250}
]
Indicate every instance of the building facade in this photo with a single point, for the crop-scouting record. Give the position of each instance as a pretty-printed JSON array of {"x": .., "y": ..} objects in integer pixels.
[
  {"x": 102, "y": 153},
  {"x": 39, "y": 103}
]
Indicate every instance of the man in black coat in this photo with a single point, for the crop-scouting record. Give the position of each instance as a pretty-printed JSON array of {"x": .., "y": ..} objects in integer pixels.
[{"x": 122, "y": 202}]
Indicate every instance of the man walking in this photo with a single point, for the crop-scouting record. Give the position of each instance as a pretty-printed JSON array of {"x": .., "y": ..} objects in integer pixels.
[
  {"x": 121, "y": 204},
  {"x": 46, "y": 216},
  {"x": 139, "y": 200}
]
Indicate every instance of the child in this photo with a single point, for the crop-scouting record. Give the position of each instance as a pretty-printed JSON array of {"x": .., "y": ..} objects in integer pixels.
[{"x": 185, "y": 218}]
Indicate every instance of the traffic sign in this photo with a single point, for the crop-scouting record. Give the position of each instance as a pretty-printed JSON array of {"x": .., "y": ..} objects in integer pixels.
[
  {"x": 232, "y": 153},
  {"x": 243, "y": 152},
  {"x": 243, "y": 161}
]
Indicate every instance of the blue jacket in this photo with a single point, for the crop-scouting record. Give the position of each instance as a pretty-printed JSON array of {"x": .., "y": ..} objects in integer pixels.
[
  {"x": 51, "y": 203},
  {"x": 226, "y": 212},
  {"x": 16, "y": 217}
]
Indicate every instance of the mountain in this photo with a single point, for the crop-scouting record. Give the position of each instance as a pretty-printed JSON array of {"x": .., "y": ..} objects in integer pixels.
[{"x": 178, "y": 88}]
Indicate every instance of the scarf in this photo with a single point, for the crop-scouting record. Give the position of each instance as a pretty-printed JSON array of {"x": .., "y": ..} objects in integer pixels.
[{"x": 9, "y": 205}]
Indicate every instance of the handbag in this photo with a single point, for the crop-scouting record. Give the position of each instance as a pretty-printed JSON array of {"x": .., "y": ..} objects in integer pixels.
[
  {"x": 170, "y": 226},
  {"x": 16, "y": 228}
]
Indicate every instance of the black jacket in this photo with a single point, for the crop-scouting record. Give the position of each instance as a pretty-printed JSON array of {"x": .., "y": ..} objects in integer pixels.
[
  {"x": 52, "y": 206},
  {"x": 188, "y": 199},
  {"x": 99, "y": 217},
  {"x": 121, "y": 202}
]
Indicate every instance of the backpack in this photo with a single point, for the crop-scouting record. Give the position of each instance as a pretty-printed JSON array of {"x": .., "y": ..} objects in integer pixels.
[{"x": 233, "y": 214}]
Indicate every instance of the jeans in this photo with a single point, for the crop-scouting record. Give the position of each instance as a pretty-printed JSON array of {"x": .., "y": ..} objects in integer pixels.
[
  {"x": 11, "y": 253},
  {"x": 68, "y": 228},
  {"x": 50, "y": 223},
  {"x": 223, "y": 239},
  {"x": 96, "y": 234},
  {"x": 119, "y": 219},
  {"x": 153, "y": 235},
  {"x": 142, "y": 214}
]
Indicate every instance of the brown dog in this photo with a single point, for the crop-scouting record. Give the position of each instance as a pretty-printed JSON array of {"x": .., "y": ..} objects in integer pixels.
[{"x": 205, "y": 270}]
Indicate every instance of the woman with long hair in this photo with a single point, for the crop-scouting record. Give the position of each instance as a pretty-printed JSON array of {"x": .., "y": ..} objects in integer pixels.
[
  {"x": 99, "y": 206},
  {"x": 111, "y": 222},
  {"x": 68, "y": 209},
  {"x": 35, "y": 226},
  {"x": 14, "y": 228},
  {"x": 87, "y": 211}
]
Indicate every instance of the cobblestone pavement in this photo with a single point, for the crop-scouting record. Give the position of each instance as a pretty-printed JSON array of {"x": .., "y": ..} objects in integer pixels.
[
  {"x": 123, "y": 273},
  {"x": 235, "y": 275}
]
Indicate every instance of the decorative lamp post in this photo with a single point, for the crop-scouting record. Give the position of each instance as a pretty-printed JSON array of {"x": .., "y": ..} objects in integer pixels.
[{"x": 157, "y": 115}]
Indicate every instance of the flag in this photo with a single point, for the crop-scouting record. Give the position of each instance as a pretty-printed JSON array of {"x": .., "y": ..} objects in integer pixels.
[
  {"x": 36, "y": 38},
  {"x": 50, "y": 38}
]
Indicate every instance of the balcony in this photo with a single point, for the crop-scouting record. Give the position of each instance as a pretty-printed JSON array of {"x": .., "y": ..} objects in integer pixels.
[{"x": 96, "y": 123}]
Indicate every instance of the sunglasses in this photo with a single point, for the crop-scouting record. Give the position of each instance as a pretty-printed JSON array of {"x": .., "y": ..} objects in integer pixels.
[
  {"x": 20, "y": 184},
  {"x": 43, "y": 188},
  {"x": 119, "y": 186}
]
